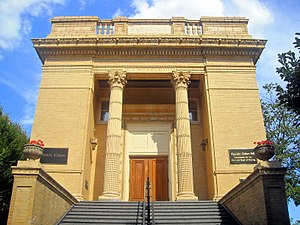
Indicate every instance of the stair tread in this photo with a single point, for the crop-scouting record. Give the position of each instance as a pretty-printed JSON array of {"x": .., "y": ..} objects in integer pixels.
[{"x": 98, "y": 212}]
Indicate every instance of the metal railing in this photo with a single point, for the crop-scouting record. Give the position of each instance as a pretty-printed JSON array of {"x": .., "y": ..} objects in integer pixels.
[{"x": 148, "y": 205}]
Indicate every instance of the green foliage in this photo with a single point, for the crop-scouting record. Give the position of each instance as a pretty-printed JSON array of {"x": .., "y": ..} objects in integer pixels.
[
  {"x": 12, "y": 139},
  {"x": 290, "y": 73},
  {"x": 295, "y": 223},
  {"x": 280, "y": 129}
]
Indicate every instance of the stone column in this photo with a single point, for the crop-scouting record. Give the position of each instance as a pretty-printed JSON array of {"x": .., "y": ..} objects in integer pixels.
[
  {"x": 184, "y": 151},
  {"x": 111, "y": 191}
]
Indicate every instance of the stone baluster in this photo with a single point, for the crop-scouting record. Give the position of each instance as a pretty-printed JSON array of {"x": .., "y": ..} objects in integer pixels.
[
  {"x": 100, "y": 28},
  {"x": 188, "y": 28},
  {"x": 111, "y": 29},
  {"x": 194, "y": 29},
  {"x": 199, "y": 32},
  {"x": 184, "y": 151},
  {"x": 105, "y": 29},
  {"x": 117, "y": 81}
]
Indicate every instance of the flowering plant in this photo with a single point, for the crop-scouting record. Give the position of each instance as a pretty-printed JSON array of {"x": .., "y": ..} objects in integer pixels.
[
  {"x": 264, "y": 142},
  {"x": 38, "y": 142}
]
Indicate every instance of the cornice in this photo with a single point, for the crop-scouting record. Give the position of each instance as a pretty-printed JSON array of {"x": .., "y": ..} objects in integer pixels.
[
  {"x": 162, "y": 45},
  {"x": 148, "y": 41}
]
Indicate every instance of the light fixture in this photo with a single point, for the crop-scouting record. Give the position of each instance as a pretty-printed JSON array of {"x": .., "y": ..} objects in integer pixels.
[
  {"x": 94, "y": 143},
  {"x": 203, "y": 144}
]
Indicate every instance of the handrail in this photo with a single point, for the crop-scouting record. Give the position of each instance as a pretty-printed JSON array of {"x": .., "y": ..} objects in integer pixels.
[
  {"x": 144, "y": 205},
  {"x": 148, "y": 205},
  {"x": 153, "y": 217},
  {"x": 144, "y": 213},
  {"x": 148, "y": 201}
]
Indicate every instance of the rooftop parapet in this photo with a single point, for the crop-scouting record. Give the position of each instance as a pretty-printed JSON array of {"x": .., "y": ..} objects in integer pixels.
[{"x": 92, "y": 26}]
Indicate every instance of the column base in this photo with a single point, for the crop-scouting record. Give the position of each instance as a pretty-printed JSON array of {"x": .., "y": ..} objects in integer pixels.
[
  {"x": 30, "y": 164},
  {"x": 110, "y": 196},
  {"x": 186, "y": 197},
  {"x": 267, "y": 164}
]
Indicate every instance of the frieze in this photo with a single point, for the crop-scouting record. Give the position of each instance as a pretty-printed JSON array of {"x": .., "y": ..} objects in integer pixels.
[
  {"x": 197, "y": 52},
  {"x": 149, "y": 40},
  {"x": 160, "y": 70}
]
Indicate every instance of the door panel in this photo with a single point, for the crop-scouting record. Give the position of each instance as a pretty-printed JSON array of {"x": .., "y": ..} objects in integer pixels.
[
  {"x": 161, "y": 180},
  {"x": 137, "y": 177},
  {"x": 157, "y": 170}
]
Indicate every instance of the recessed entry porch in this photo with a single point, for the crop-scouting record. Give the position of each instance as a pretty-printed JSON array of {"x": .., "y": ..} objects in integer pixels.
[
  {"x": 148, "y": 153},
  {"x": 148, "y": 134}
]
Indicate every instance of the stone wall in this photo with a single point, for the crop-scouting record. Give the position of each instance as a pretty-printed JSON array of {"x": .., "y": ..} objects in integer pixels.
[
  {"x": 260, "y": 199},
  {"x": 36, "y": 197}
]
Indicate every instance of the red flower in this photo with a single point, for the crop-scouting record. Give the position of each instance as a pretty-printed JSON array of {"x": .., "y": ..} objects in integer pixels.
[
  {"x": 264, "y": 142},
  {"x": 38, "y": 142}
]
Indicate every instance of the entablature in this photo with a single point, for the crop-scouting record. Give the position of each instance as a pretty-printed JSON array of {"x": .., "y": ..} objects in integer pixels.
[{"x": 162, "y": 46}]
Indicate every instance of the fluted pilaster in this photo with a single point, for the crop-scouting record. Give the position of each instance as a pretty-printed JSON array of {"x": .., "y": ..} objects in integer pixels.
[
  {"x": 180, "y": 82},
  {"x": 117, "y": 81}
]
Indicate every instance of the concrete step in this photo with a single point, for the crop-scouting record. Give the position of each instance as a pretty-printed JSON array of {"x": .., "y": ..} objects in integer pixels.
[{"x": 96, "y": 212}]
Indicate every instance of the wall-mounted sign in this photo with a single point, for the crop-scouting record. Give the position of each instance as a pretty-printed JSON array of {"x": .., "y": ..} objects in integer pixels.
[
  {"x": 55, "y": 155},
  {"x": 242, "y": 156}
]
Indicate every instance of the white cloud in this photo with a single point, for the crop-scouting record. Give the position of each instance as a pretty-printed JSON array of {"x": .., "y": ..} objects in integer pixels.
[
  {"x": 191, "y": 9},
  {"x": 82, "y": 4},
  {"x": 118, "y": 12},
  {"x": 31, "y": 99},
  {"x": 260, "y": 16},
  {"x": 256, "y": 11},
  {"x": 29, "y": 94},
  {"x": 15, "y": 19}
]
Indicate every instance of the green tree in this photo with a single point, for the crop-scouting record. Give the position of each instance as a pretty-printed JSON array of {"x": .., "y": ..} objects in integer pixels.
[
  {"x": 280, "y": 129},
  {"x": 289, "y": 72},
  {"x": 12, "y": 139}
]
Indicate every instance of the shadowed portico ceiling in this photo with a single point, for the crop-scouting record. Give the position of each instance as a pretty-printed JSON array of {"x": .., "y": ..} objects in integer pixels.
[{"x": 149, "y": 84}]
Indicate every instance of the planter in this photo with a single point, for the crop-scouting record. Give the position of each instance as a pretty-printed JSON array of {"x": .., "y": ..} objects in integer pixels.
[
  {"x": 33, "y": 152},
  {"x": 264, "y": 152}
]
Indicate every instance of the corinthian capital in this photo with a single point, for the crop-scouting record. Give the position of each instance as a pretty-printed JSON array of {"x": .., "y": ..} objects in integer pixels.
[
  {"x": 181, "y": 78},
  {"x": 117, "y": 77}
]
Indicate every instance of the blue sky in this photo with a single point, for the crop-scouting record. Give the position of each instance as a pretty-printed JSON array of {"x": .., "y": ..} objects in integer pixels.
[{"x": 20, "y": 20}]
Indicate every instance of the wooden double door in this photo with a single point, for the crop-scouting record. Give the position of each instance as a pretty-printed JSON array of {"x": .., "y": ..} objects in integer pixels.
[{"x": 156, "y": 168}]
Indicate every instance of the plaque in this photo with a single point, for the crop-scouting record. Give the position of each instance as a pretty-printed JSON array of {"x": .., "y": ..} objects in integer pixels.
[
  {"x": 55, "y": 156},
  {"x": 242, "y": 156}
]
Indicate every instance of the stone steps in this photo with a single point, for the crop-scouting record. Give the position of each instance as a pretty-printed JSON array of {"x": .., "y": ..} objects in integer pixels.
[{"x": 199, "y": 212}]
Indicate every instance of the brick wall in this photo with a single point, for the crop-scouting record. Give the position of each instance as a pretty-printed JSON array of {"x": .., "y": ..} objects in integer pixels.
[
  {"x": 36, "y": 197},
  {"x": 235, "y": 117},
  {"x": 64, "y": 119},
  {"x": 260, "y": 199}
]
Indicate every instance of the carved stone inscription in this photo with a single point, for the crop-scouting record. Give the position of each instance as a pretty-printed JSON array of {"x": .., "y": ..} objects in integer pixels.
[
  {"x": 55, "y": 155},
  {"x": 242, "y": 156}
]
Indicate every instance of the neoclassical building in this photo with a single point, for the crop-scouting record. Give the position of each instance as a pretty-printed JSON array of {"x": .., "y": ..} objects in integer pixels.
[{"x": 175, "y": 100}]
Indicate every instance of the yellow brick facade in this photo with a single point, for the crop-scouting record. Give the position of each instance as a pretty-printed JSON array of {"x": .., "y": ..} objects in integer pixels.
[{"x": 218, "y": 54}]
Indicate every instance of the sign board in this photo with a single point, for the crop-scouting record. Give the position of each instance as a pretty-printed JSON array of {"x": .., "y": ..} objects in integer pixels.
[
  {"x": 242, "y": 156},
  {"x": 55, "y": 155}
]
